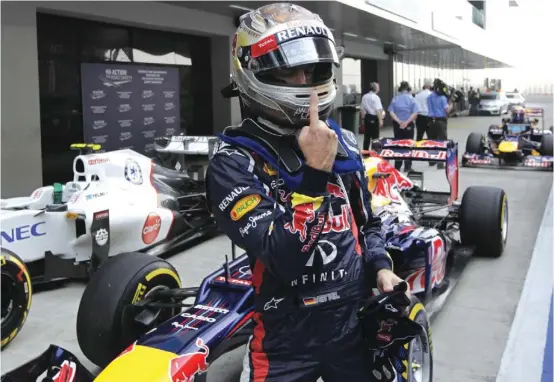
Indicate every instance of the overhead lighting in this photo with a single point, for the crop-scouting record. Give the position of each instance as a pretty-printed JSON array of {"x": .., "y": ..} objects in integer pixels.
[
  {"x": 402, "y": 46},
  {"x": 371, "y": 39},
  {"x": 350, "y": 34},
  {"x": 240, "y": 7}
]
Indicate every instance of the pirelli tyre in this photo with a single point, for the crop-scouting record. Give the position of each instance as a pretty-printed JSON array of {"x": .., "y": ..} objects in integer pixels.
[
  {"x": 547, "y": 145},
  {"x": 484, "y": 220},
  {"x": 475, "y": 143},
  {"x": 16, "y": 295},
  {"x": 418, "y": 354},
  {"x": 104, "y": 326}
]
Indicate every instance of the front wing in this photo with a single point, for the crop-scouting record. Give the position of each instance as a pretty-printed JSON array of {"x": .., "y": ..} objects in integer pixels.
[
  {"x": 55, "y": 363},
  {"x": 537, "y": 163}
]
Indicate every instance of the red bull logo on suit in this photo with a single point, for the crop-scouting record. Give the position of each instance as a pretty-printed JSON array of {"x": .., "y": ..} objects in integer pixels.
[{"x": 305, "y": 213}]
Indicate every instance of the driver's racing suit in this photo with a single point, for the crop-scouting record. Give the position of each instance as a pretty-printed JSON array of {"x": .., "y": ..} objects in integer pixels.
[{"x": 310, "y": 251}]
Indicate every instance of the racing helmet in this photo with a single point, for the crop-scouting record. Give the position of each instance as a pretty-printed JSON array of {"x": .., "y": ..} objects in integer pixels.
[
  {"x": 281, "y": 53},
  {"x": 440, "y": 87},
  {"x": 518, "y": 114}
]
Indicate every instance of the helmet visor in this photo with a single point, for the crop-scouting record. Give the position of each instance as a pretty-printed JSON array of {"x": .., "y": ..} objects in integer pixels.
[{"x": 267, "y": 55}]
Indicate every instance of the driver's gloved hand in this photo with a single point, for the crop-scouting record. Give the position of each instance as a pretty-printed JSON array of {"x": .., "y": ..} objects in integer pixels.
[{"x": 386, "y": 329}]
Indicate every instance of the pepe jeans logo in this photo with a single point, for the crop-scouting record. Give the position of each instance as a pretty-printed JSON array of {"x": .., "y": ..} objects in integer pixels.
[{"x": 245, "y": 205}]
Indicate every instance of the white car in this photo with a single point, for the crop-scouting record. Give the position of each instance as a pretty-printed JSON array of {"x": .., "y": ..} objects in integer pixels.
[
  {"x": 515, "y": 99},
  {"x": 119, "y": 201}
]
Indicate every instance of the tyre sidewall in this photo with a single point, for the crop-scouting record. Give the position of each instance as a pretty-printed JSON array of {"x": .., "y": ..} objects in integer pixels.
[
  {"x": 150, "y": 277},
  {"x": 13, "y": 267}
]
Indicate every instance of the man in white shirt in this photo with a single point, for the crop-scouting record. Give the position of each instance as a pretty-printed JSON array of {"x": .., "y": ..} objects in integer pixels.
[
  {"x": 372, "y": 114},
  {"x": 422, "y": 121}
]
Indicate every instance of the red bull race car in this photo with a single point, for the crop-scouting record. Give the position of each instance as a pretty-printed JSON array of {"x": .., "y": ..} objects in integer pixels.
[
  {"x": 518, "y": 143},
  {"x": 431, "y": 235},
  {"x": 131, "y": 320}
]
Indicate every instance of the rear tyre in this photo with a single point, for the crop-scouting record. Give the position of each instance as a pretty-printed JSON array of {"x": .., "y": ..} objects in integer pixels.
[
  {"x": 484, "y": 220},
  {"x": 16, "y": 295},
  {"x": 104, "y": 327},
  {"x": 475, "y": 143},
  {"x": 418, "y": 363},
  {"x": 547, "y": 145}
]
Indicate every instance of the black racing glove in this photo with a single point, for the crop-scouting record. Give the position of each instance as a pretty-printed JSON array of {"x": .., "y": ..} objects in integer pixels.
[{"x": 386, "y": 329}]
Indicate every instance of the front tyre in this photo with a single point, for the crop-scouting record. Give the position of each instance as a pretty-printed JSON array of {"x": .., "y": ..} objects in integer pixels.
[
  {"x": 104, "y": 327},
  {"x": 418, "y": 360},
  {"x": 16, "y": 295}
]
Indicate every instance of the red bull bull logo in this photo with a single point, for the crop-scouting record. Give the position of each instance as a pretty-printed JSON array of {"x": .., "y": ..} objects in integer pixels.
[
  {"x": 186, "y": 367},
  {"x": 432, "y": 144},
  {"x": 303, "y": 215},
  {"x": 335, "y": 190},
  {"x": 67, "y": 372},
  {"x": 399, "y": 143},
  {"x": 386, "y": 187}
]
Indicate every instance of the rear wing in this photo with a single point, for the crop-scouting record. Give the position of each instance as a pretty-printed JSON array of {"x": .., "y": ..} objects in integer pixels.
[
  {"x": 425, "y": 151},
  {"x": 537, "y": 112},
  {"x": 189, "y": 154},
  {"x": 409, "y": 149},
  {"x": 185, "y": 144}
]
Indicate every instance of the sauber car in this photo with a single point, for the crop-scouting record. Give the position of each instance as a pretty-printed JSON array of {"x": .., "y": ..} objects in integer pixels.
[
  {"x": 118, "y": 201},
  {"x": 519, "y": 142},
  {"x": 131, "y": 320}
]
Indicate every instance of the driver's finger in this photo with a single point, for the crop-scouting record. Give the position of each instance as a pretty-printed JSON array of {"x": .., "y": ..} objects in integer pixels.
[{"x": 314, "y": 110}]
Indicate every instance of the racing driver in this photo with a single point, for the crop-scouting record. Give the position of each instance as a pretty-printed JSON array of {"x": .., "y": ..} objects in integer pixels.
[{"x": 290, "y": 189}]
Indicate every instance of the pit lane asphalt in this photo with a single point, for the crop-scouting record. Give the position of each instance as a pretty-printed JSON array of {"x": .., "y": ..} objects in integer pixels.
[{"x": 469, "y": 334}]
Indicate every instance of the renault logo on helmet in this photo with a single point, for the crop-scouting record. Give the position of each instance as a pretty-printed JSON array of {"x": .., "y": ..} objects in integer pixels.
[{"x": 302, "y": 32}]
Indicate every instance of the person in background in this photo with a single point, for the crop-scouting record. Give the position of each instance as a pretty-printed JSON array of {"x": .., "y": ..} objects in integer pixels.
[
  {"x": 403, "y": 111},
  {"x": 461, "y": 99},
  {"x": 372, "y": 114},
  {"x": 422, "y": 122},
  {"x": 438, "y": 109}
]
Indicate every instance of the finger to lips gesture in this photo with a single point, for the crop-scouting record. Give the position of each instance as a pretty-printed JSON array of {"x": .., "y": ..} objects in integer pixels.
[{"x": 317, "y": 141}]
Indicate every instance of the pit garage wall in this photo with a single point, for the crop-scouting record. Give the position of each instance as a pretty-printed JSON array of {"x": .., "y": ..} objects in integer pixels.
[{"x": 21, "y": 169}]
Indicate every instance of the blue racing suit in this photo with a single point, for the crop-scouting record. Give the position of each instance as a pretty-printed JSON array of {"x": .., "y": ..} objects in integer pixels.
[{"x": 314, "y": 248}]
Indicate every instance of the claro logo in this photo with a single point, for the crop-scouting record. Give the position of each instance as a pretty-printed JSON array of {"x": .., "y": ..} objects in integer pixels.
[{"x": 151, "y": 228}]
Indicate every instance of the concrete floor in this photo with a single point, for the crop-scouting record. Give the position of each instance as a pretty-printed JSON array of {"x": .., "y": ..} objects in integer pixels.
[{"x": 469, "y": 334}]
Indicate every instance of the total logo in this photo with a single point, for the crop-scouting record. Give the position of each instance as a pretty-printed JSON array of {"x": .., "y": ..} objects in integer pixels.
[{"x": 151, "y": 228}]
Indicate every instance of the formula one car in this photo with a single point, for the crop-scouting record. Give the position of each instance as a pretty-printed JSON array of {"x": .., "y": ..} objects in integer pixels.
[
  {"x": 431, "y": 235},
  {"x": 518, "y": 143},
  {"x": 131, "y": 323},
  {"x": 130, "y": 320},
  {"x": 118, "y": 201}
]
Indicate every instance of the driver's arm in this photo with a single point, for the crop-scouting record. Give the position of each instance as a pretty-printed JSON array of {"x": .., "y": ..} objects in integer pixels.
[{"x": 283, "y": 241}]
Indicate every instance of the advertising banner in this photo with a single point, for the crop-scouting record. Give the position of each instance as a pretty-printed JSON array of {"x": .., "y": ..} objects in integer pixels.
[{"x": 127, "y": 106}]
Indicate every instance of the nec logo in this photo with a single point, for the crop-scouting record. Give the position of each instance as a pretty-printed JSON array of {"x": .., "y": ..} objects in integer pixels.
[{"x": 23, "y": 232}]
